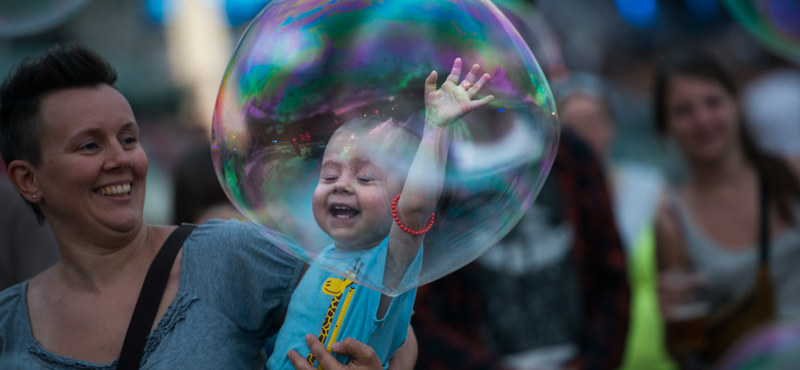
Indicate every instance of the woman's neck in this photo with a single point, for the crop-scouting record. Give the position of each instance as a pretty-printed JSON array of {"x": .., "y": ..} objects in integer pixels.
[
  {"x": 732, "y": 169},
  {"x": 99, "y": 264}
]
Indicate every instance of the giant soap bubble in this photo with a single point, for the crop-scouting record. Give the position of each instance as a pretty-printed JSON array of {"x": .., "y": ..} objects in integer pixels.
[
  {"x": 773, "y": 347},
  {"x": 775, "y": 23},
  {"x": 22, "y": 18},
  {"x": 309, "y": 70}
]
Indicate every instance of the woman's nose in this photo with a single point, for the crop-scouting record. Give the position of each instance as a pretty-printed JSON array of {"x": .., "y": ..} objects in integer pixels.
[
  {"x": 703, "y": 115},
  {"x": 118, "y": 157}
]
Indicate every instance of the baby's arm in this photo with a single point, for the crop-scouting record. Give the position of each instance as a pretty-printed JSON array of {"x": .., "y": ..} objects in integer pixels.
[{"x": 425, "y": 178}]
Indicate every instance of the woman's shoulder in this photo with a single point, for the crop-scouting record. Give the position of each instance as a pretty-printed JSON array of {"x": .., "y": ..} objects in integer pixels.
[
  {"x": 13, "y": 313},
  {"x": 236, "y": 270},
  {"x": 218, "y": 235},
  {"x": 235, "y": 245},
  {"x": 11, "y": 298}
]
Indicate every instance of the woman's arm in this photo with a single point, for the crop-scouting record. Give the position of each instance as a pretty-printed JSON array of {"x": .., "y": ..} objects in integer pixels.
[
  {"x": 670, "y": 251},
  {"x": 676, "y": 283},
  {"x": 672, "y": 259}
]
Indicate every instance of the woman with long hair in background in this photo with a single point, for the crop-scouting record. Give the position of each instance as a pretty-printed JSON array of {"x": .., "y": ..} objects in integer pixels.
[{"x": 728, "y": 237}]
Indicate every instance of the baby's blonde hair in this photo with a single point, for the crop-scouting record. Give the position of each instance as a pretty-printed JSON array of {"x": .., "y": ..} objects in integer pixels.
[{"x": 396, "y": 140}]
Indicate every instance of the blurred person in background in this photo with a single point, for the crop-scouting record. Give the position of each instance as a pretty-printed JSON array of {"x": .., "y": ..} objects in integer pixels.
[
  {"x": 27, "y": 247},
  {"x": 728, "y": 239},
  {"x": 635, "y": 190},
  {"x": 552, "y": 294},
  {"x": 198, "y": 195}
]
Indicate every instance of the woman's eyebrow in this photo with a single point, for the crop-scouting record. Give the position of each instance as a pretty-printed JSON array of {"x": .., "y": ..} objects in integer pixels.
[
  {"x": 84, "y": 133},
  {"x": 130, "y": 126}
]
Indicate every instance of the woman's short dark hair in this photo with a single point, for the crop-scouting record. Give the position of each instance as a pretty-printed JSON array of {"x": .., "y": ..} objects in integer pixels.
[
  {"x": 60, "y": 67},
  {"x": 783, "y": 185}
]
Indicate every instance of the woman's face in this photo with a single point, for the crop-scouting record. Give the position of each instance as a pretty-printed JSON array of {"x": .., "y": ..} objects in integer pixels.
[
  {"x": 93, "y": 170},
  {"x": 703, "y": 117}
]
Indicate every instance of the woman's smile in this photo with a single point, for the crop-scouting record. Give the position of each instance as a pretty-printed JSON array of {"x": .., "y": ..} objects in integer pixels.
[{"x": 116, "y": 191}]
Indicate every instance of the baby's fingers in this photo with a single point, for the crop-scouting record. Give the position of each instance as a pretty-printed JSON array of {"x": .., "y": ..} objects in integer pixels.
[
  {"x": 479, "y": 85},
  {"x": 471, "y": 77},
  {"x": 455, "y": 73},
  {"x": 475, "y": 104},
  {"x": 430, "y": 82}
]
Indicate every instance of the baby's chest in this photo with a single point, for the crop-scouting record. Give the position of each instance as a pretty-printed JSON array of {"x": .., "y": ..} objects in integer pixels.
[{"x": 335, "y": 308}]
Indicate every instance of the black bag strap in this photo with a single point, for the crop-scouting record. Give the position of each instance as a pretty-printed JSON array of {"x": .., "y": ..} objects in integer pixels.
[
  {"x": 764, "y": 232},
  {"x": 149, "y": 299}
]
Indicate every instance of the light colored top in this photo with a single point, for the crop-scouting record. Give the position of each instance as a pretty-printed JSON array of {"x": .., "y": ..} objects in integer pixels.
[
  {"x": 637, "y": 191},
  {"x": 337, "y": 308},
  {"x": 234, "y": 290},
  {"x": 730, "y": 273}
]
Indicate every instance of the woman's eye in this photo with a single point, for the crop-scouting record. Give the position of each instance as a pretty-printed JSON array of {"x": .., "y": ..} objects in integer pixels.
[
  {"x": 129, "y": 141},
  {"x": 89, "y": 146}
]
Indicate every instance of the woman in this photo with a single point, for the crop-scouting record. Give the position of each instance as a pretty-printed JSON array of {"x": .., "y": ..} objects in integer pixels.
[
  {"x": 70, "y": 142},
  {"x": 711, "y": 224}
]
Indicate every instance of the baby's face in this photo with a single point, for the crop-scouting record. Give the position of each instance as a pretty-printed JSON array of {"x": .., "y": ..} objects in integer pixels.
[{"x": 352, "y": 201}]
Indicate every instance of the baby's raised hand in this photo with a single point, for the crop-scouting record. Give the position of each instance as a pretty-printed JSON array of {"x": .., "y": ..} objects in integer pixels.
[{"x": 453, "y": 100}]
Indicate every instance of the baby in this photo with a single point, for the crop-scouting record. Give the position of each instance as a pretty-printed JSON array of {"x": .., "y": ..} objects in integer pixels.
[{"x": 375, "y": 198}]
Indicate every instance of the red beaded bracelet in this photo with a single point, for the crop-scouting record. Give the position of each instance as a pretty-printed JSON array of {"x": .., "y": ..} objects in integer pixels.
[{"x": 403, "y": 227}]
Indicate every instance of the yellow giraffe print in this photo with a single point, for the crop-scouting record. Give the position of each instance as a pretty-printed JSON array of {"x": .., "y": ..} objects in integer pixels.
[
  {"x": 334, "y": 287},
  {"x": 341, "y": 318}
]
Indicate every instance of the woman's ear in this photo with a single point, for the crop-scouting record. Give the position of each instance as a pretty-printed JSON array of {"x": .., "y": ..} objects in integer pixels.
[{"x": 21, "y": 173}]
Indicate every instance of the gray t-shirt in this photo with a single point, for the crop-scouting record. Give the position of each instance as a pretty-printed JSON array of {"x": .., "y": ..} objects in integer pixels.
[{"x": 234, "y": 290}]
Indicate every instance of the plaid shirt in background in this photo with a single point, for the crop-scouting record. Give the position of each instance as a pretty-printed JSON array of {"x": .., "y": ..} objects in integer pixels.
[{"x": 450, "y": 315}]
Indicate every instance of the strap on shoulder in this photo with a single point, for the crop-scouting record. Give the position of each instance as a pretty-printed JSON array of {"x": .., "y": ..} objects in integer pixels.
[{"x": 149, "y": 299}]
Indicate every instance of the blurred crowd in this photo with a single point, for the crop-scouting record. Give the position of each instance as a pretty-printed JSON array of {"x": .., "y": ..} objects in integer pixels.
[{"x": 667, "y": 233}]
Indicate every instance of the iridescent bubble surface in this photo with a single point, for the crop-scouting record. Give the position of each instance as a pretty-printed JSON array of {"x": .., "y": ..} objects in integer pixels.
[
  {"x": 305, "y": 68},
  {"x": 775, "y": 347},
  {"x": 774, "y": 23},
  {"x": 539, "y": 34},
  {"x": 28, "y": 17}
]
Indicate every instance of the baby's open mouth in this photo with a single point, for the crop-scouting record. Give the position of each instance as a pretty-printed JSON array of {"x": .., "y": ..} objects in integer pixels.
[
  {"x": 115, "y": 190},
  {"x": 343, "y": 212}
]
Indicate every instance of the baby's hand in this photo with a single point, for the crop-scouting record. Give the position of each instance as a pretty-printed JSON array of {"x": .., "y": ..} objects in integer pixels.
[{"x": 453, "y": 100}]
